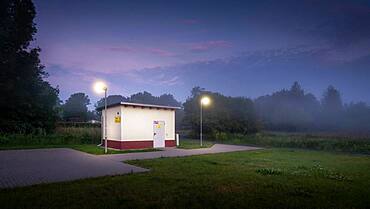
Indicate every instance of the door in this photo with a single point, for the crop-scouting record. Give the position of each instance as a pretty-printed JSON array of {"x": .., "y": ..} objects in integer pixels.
[{"x": 158, "y": 134}]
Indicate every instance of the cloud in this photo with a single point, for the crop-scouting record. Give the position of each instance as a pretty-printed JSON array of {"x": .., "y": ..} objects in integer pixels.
[
  {"x": 158, "y": 76},
  {"x": 160, "y": 52},
  {"x": 347, "y": 53},
  {"x": 154, "y": 50},
  {"x": 104, "y": 58},
  {"x": 209, "y": 45},
  {"x": 122, "y": 49},
  {"x": 166, "y": 80}
]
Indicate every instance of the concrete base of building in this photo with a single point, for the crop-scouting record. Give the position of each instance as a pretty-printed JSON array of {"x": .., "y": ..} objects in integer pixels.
[{"x": 124, "y": 145}]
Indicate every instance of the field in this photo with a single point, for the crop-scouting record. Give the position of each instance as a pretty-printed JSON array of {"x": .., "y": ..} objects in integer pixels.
[
  {"x": 82, "y": 137},
  {"x": 313, "y": 141},
  {"x": 273, "y": 178},
  {"x": 288, "y": 174}
]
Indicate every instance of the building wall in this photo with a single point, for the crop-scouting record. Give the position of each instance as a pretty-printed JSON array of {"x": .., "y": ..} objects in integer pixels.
[
  {"x": 113, "y": 128},
  {"x": 137, "y": 123}
]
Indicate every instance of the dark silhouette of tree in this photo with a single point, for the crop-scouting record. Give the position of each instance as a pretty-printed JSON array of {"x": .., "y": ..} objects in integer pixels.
[
  {"x": 332, "y": 110},
  {"x": 196, "y": 91},
  {"x": 111, "y": 99},
  {"x": 27, "y": 102},
  {"x": 224, "y": 114},
  {"x": 75, "y": 108},
  {"x": 143, "y": 97},
  {"x": 288, "y": 110},
  {"x": 168, "y": 100},
  {"x": 332, "y": 100},
  {"x": 296, "y": 90}
]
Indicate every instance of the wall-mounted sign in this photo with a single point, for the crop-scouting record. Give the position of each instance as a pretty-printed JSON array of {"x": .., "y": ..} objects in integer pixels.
[{"x": 117, "y": 119}]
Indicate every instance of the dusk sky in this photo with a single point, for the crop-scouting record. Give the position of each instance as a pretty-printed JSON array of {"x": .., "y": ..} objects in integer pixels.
[{"x": 238, "y": 48}]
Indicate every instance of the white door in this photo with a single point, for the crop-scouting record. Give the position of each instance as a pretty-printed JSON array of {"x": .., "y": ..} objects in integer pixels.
[{"x": 158, "y": 134}]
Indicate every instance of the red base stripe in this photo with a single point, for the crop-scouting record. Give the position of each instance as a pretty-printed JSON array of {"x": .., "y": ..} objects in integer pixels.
[
  {"x": 170, "y": 143},
  {"x": 136, "y": 144}
]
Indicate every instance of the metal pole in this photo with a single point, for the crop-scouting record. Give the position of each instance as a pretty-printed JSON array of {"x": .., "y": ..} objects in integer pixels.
[
  {"x": 201, "y": 124},
  {"x": 105, "y": 121}
]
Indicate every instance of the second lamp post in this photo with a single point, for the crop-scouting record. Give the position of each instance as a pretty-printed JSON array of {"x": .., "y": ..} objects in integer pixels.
[{"x": 203, "y": 101}]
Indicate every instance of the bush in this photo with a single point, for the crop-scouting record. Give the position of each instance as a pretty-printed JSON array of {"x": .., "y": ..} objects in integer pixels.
[
  {"x": 61, "y": 136},
  {"x": 269, "y": 171}
]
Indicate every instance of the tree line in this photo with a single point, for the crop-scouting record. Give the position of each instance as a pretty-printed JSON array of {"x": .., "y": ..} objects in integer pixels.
[
  {"x": 288, "y": 110},
  {"x": 296, "y": 110}
]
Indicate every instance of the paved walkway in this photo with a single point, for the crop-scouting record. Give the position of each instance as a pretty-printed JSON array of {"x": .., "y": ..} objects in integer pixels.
[
  {"x": 29, "y": 167},
  {"x": 173, "y": 152}
]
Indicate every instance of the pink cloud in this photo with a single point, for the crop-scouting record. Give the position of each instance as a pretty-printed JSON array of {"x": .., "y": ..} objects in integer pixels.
[
  {"x": 100, "y": 58},
  {"x": 121, "y": 49},
  {"x": 153, "y": 50},
  {"x": 160, "y": 52},
  {"x": 209, "y": 45}
]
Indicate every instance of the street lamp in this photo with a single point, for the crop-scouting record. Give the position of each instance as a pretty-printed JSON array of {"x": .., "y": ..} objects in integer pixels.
[
  {"x": 100, "y": 87},
  {"x": 203, "y": 101}
]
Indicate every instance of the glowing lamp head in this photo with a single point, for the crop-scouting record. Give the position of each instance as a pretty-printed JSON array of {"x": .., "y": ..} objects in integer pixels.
[
  {"x": 205, "y": 101},
  {"x": 100, "y": 87}
]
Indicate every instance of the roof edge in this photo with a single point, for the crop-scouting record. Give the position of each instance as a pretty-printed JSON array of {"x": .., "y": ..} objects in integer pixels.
[{"x": 139, "y": 105}]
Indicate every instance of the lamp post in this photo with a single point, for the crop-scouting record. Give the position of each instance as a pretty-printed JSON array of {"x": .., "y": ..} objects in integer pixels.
[
  {"x": 100, "y": 87},
  {"x": 203, "y": 101}
]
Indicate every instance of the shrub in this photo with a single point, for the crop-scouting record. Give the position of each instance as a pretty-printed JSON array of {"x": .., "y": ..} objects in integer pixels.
[
  {"x": 269, "y": 171},
  {"x": 62, "y": 135}
]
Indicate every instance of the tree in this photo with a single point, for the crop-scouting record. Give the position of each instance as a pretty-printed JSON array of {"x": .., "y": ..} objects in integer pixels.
[
  {"x": 111, "y": 99},
  {"x": 224, "y": 115},
  {"x": 332, "y": 100},
  {"x": 296, "y": 90},
  {"x": 168, "y": 100},
  {"x": 332, "y": 110},
  {"x": 143, "y": 97},
  {"x": 288, "y": 110},
  {"x": 27, "y": 102},
  {"x": 75, "y": 108}
]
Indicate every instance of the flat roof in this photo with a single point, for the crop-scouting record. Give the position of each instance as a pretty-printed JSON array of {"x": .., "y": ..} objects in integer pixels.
[{"x": 129, "y": 104}]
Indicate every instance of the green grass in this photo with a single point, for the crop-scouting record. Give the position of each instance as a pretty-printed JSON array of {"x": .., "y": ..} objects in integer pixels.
[
  {"x": 194, "y": 144},
  {"x": 275, "y": 178},
  {"x": 303, "y": 141},
  {"x": 88, "y": 148},
  {"x": 84, "y": 139}
]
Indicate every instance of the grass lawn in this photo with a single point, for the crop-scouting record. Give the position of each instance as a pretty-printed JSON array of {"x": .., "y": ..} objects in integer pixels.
[
  {"x": 194, "y": 144},
  {"x": 88, "y": 148},
  {"x": 274, "y": 178},
  {"x": 341, "y": 143}
]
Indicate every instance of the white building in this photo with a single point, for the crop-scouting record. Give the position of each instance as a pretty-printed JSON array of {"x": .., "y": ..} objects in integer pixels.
[{"x": 137, "y": 126}]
